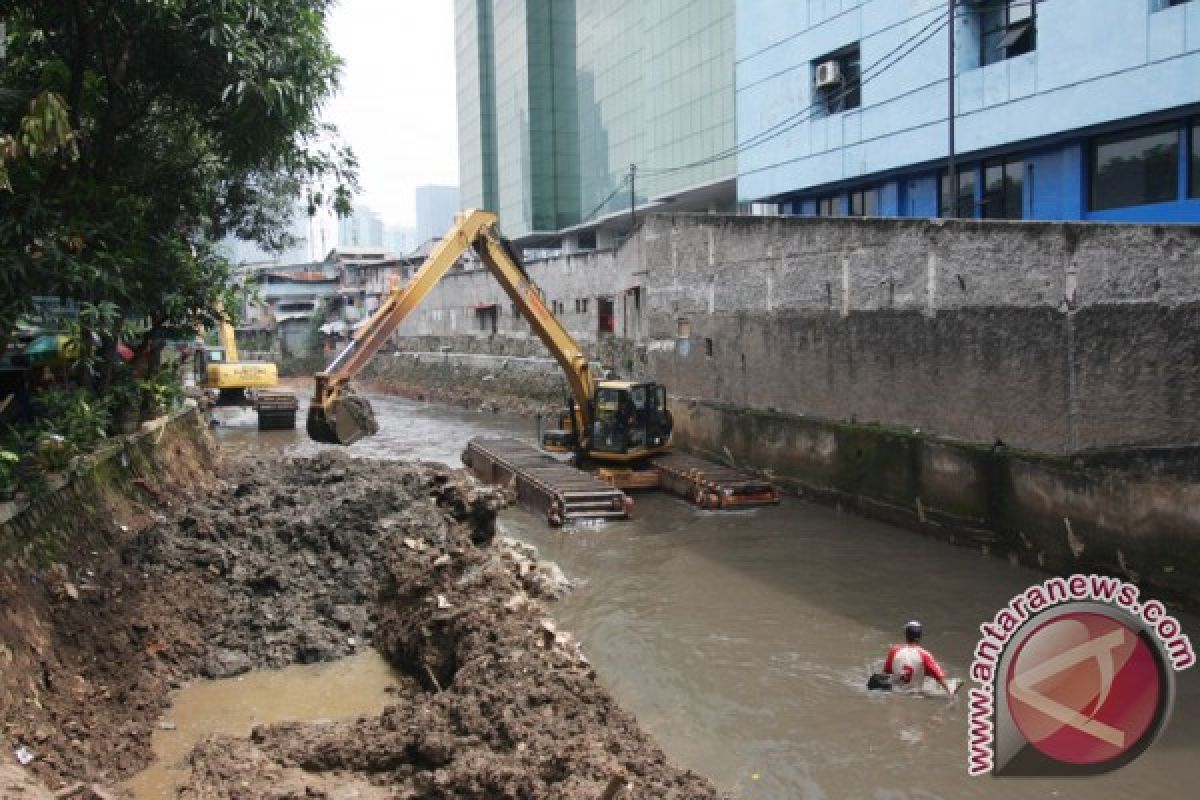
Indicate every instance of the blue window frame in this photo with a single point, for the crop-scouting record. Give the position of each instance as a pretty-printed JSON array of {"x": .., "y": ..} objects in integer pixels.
[
  {"x": 1194, "y": 167},
  {"x": 962, "y": 202},
  {"x": 1135, "y": 168},
  {"x": 865, "y": 202}
]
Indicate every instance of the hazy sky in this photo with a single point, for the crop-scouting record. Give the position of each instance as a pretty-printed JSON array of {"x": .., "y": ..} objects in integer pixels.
[{"x": 396, "y": 107}]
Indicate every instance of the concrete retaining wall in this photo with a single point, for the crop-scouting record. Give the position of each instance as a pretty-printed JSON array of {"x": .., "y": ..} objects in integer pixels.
[
  {"x": 1054, "y": 337},
  {"x": 568, "y": 284}
]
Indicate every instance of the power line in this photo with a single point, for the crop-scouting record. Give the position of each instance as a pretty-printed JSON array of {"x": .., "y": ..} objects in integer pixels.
[
  {"x": 605, "y": 201},
  {"x": 912, "y": 43},
  {"x": 804, "y": 115}
]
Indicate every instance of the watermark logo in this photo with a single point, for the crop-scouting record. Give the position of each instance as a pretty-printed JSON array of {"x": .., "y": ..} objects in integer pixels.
[{"x": 1075, "y": 677}]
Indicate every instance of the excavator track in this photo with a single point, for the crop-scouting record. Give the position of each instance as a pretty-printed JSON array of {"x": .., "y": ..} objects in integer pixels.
[
  {"x": 276, "y": 410},
  {"x": 544, "y": 484},
  {"x": 710, "y": 485}
]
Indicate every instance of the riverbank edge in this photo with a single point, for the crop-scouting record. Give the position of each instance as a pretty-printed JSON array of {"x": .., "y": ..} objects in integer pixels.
[
  {"x": 122, "y": 478},
  {"x": 58, "y": 551},
  {"x": 1134, "y": 513}
]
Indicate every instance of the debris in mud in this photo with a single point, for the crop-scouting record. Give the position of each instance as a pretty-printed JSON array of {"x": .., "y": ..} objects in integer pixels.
[
  {"x": 304, "y": 560},
  {"x": 510, "y": 706}
]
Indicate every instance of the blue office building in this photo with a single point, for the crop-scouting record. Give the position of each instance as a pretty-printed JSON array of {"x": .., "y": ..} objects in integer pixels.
[{"x": 1062, "y": 109}]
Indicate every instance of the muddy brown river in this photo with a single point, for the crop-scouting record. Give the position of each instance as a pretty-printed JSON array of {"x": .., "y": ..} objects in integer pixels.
[{"x": 742, "y": 640}]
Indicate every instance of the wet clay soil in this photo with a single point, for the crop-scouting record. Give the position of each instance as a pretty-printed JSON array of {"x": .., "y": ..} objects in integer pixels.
[{"x": 307, "y": 560}]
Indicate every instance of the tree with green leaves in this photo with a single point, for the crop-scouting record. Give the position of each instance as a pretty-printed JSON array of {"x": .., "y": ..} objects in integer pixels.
[{"x": 139, "y": 133}]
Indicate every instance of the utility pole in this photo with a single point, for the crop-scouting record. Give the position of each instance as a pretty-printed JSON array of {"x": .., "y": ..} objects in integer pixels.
[
  {"x": 632, "y": 195},
  {"x": 951, "y": 172}
]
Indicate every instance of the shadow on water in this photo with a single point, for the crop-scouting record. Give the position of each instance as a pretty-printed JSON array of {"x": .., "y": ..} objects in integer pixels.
[{"x": 742, "y": 640}]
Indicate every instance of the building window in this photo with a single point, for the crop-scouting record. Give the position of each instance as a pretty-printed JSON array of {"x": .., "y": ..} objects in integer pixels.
[
  {"x": 865, "y": 203},
  {"x": 1195, "y": 188},
  {"x": 581, "y": 305},
  {"x": 605, "y": 318},
  {"x": 486, "y": 318},
  {"x": 1135, "y": 169},
  {"x": 962, "y": 203},
  {"x": 1007, "y": 28},
  {"x": 1003, "y": 188},
  {"x": 829, "y": 206},
  {"x": 838, "y": 80}
]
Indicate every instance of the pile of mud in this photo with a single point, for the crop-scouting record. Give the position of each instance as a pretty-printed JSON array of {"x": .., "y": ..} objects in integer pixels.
[{"x": 303, "y": 560}]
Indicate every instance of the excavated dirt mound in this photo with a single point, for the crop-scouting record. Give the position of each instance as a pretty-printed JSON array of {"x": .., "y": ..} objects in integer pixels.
[
  {"x": 302, "y": 560},
  {"x": 511, "y": 707}
]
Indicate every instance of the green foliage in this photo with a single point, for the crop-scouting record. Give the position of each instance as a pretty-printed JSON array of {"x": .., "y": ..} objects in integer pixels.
[
  {"x": 124, "y": 397},
  {"x": 314, "y": 340},
  {"x": 74, "y": 414},
  {"x": 190, "y": 120},
  {"x": 8, "y": 466},
  {"x": 44, "y": 131},
  {"x": 160, "y": 391},
  {"x": 82, "y": 342},
  {"x": 69, "y": 422}
]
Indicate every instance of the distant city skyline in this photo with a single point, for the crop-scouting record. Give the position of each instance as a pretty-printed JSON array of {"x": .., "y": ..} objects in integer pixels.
[
  {"x": 403, "y": 130},
  {"x": 436, "y": 207}
]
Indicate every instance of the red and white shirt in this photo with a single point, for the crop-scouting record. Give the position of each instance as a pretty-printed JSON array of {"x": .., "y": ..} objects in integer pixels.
[{"x": 908, "y": 664}]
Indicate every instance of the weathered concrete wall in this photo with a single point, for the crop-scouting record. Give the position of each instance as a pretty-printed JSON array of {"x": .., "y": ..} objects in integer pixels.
[
  {"x": 1053, "y": 337},
  {"x": 521, "y": 384},
  {"x": 450, "y": 309}
]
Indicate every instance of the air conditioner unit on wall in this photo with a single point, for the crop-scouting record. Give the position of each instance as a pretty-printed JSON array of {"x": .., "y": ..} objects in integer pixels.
[{"x": 829, "y": 73}]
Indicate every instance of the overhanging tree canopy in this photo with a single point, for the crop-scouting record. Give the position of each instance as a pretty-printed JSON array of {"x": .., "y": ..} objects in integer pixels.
[{"x": 193, "y": 119}]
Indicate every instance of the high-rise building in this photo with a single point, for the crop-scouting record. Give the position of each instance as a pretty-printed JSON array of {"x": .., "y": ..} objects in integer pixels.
[
  {"x": 399, "y": 240},
  {"x": 1071, "y": 109},
  {"x": 363, "y": 228},
  {"x": 302, "y": 232},
  {"x": 558, "y": 98},
  {"x": 436, "y": 207}
]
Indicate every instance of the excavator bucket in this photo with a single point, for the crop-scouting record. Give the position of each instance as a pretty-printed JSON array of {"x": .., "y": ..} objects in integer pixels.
[{"x": 346, "y": 419}]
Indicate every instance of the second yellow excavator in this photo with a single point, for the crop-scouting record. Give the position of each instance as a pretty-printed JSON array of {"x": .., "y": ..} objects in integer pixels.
[
  {"x": 233, "y": 382},
  {"x": 611, "y": 422}
]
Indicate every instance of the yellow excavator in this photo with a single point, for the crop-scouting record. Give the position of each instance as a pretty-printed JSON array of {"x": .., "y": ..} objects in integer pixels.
[
  {"x": 252, "y": 384},
  {"x": 612, "y": 423}
]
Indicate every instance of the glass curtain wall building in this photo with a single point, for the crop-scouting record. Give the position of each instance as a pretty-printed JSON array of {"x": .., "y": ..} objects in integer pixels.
[{"x": 557, "y": 98}]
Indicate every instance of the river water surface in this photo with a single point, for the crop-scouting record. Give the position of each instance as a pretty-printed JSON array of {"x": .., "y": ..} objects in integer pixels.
[{"x": 742, "y": 640}]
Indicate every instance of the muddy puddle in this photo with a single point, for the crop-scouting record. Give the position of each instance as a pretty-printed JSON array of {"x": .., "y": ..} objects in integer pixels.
[{"x": 354, "y": 686}]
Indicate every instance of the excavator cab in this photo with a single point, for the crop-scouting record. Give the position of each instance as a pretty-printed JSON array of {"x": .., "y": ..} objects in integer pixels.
[{"x": 629, "y": 421}]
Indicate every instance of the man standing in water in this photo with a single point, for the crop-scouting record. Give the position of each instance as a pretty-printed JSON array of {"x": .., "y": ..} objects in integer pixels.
[{"x": 909, "y": 663}]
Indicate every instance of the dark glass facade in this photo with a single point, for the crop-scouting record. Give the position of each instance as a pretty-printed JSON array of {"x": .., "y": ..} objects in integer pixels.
[
  {"x": 558, "y": 97},
  {"x": 1130, "y": 169}
]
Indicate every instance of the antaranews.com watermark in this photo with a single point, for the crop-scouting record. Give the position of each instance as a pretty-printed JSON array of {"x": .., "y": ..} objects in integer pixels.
[{"x": 1075, "y": 677}]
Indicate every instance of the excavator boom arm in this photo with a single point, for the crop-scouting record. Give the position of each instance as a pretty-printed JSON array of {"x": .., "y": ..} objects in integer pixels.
[
  {"x": 329, "y": 423},
  {"x": 528, "y": 300}
]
